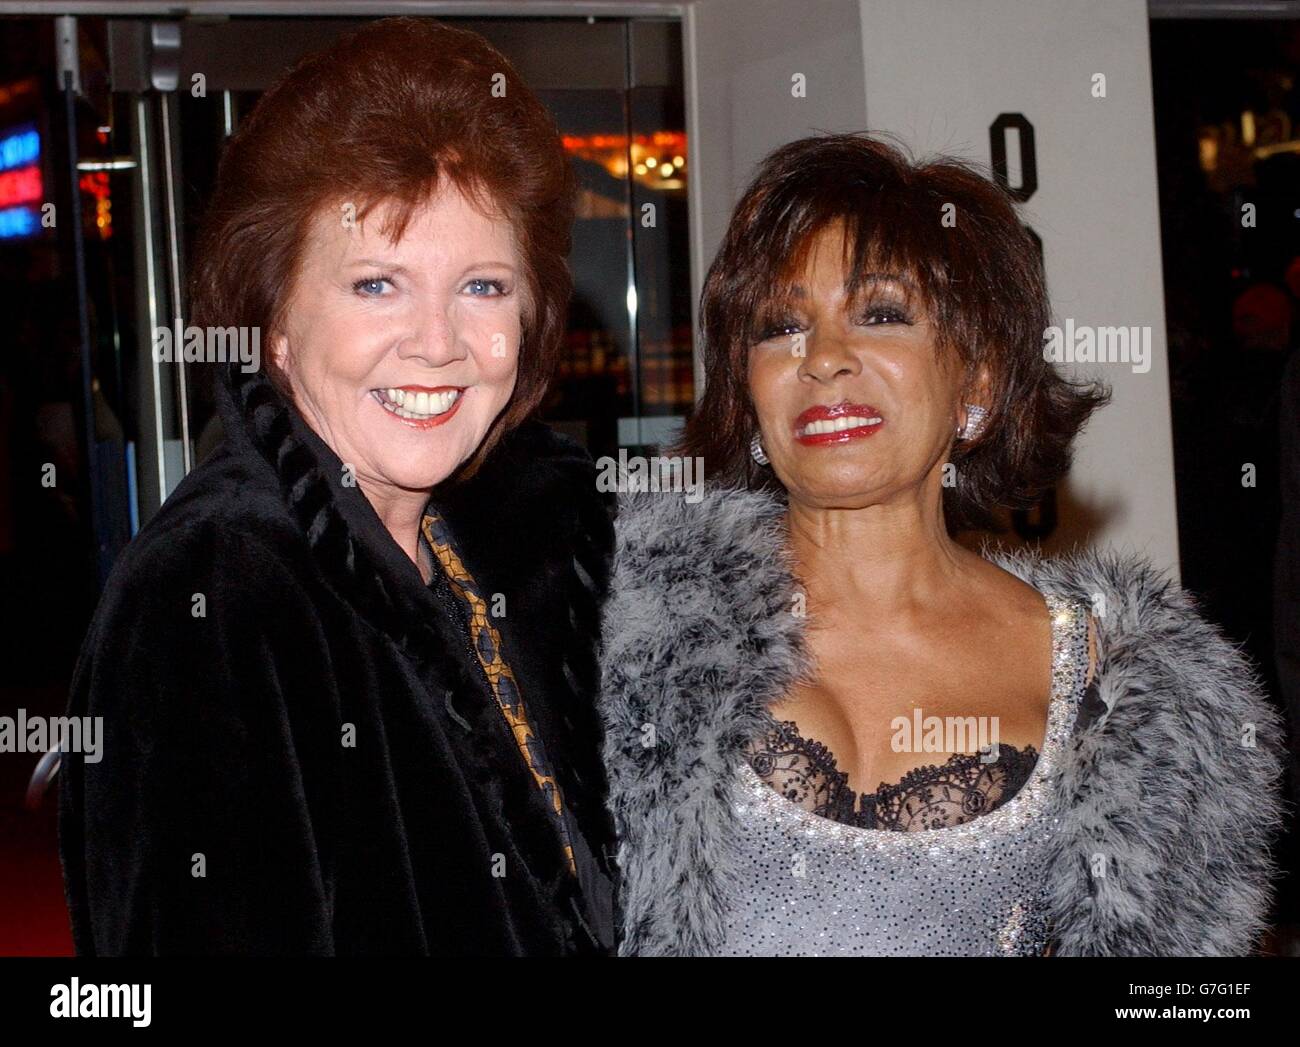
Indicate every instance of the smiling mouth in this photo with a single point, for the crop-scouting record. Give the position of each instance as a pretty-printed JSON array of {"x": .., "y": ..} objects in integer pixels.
[
  {"x": 418, "y": 405},
  {"x": 836, "y": 423}
]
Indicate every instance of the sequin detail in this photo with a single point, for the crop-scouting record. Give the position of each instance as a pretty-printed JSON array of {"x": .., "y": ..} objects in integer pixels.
[{"x": 803, "y": 885}]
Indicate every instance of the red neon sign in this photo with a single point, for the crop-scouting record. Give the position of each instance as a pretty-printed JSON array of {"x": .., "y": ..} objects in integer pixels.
[{"x": 20, "y": 186}]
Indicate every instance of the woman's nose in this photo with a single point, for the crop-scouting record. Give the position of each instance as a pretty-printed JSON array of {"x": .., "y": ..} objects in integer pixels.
[
  {"x": 433, "y": 338},
  {"x": 828, "y": 355}
]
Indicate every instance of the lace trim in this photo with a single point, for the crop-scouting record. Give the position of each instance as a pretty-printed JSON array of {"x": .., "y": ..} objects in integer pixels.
[{"x": 936, "y": 796}]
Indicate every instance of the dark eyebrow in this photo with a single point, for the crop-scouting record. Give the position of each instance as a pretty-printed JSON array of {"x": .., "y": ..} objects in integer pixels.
[
  {"x": 799, "y": 291},
  {"x": 897, "y": 278}
]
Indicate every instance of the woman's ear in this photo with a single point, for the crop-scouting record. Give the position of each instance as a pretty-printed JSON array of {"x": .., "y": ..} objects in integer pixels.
[
  {"x": 279, "y": 354},
  {"x": 974, "y": 403},
  {"x": 979, "y": 389}
]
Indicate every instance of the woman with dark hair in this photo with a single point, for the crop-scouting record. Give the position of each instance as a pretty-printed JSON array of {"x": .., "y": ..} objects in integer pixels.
[
  {"x": 347, "y": 673},
  {"x": 1070, "y": 760}
]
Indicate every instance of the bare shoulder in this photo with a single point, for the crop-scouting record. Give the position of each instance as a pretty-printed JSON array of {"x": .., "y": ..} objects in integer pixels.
[
  {"x": 1025, "y": 602},
  {"x": 1012, "y": 598}
]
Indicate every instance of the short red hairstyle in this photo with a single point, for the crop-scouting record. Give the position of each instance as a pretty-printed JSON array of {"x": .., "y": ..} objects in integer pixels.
[{"x": 383, "y": 116}]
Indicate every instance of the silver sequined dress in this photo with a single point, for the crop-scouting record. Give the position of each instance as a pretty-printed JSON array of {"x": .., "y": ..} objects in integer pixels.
[{"x": 805, "y": 885}]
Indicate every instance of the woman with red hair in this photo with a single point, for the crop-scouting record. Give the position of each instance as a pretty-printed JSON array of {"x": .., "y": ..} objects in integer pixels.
[{"x": 346, "y": 674}]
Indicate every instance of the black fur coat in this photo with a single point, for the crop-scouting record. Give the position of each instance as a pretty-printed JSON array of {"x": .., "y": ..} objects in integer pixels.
[{"x": 301, "y": 754}]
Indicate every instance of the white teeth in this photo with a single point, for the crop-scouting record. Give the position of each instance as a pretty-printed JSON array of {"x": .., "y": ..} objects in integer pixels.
[
  {"x": 417, "y": 406},
  {"x": 837, "y": 425}
]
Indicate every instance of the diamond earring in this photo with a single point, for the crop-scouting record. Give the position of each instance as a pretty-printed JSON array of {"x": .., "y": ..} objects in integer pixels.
[
  {"x": 756, "y": 450},
  {"x": 975, "y": 419}
]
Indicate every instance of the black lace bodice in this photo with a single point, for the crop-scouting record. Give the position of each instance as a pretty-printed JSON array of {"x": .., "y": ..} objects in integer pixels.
[{"x": 933, "y": 797}]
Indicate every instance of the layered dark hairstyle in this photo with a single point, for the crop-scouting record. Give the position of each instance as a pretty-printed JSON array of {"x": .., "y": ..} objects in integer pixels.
[
  {"x": 389, "y": 114},
  {"x": 979, "y": 276}
]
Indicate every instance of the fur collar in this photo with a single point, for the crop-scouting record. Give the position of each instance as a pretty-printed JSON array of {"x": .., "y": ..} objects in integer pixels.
[
  {"x": 1157, "y": 788},
  {"x": 530, "y": 525}
]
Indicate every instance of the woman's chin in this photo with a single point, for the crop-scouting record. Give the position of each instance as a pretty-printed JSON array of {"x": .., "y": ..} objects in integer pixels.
[
  {"x": 417, "y": 471},
  {"x": 418, "y": 460},
  {"x": 839, "y": 488},
  {"x": 422, "y": 479}
]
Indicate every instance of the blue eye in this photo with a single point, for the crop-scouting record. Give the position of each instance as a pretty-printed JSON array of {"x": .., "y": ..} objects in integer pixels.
[
  {"x": 479, "y": 283},
  {"x": 364, "y": 286}
]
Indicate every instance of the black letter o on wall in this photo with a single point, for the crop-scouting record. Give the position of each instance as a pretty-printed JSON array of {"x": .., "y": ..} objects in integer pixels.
[
  {"x": 1028, "y": 158},
  {"x": 1025, "y": 525}
]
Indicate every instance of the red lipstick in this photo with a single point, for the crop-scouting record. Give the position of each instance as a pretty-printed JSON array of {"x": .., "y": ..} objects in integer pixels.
[{"x": 836, "y": 423}]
